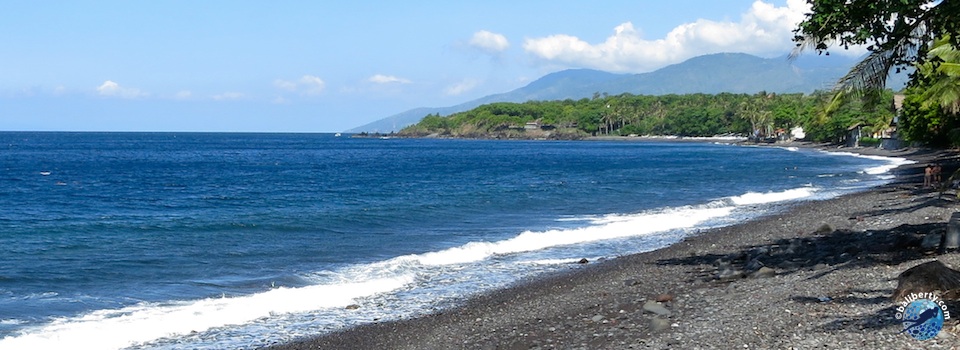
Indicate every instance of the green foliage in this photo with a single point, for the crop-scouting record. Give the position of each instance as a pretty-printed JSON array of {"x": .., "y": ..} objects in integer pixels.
[
  {"x": 919, "y": 33},
  {"x": 869, "y": 142},
  {"x": 933, "y": 99},
  {"x": 927, "y": 124},
  {"x": 696, "y": 115},
  {"x": 940, "y": 76},
  {"x": 891, "y": 26}
]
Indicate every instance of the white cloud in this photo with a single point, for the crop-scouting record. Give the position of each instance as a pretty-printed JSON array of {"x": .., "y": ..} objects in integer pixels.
[
  {"x": 311, "y": 85},
  {"x": 764, "y": 30},
  {"x": 285, "y": 85},
  {"x": 489, "y": 42},
  {"x": 227, "y": 96},
  {"x": 112, "y": 89},
  {"x": 387, "y": 79},
  {"x": 183, "y": 95},
  {"x": 307, "y": 85},
  {"x": 461, "y": 87}
]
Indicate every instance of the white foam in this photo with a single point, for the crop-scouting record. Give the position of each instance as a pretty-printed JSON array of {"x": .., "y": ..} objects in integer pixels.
[
  {"x": 130, "y": 326},
  {"x": 143, "y": 323},
  {"x": 609, "y": 227},
  {"x": 574, "y": 219},
  {"x": 751, "y": 198},
  {"x": 882, "y": 169},
  {"x": 892, "y": 162}
]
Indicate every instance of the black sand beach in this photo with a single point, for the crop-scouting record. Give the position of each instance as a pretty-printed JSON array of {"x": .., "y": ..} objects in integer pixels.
[{"x": 819, "y": 275}]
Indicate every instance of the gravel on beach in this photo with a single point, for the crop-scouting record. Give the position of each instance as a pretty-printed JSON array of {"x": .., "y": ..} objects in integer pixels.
[{"x": 818, "y": 275}]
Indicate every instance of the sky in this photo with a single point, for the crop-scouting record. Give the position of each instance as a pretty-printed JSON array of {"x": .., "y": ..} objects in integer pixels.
[{"x": 328, "y": 66}]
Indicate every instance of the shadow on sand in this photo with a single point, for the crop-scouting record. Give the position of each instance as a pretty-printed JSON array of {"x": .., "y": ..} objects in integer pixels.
[{"x": 827, "y": 251}]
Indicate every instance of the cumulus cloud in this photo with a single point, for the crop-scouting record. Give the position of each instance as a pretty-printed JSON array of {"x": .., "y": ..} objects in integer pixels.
[
  {"x": 764, "y": 30},
  {"x": 112, "y": 89},
  {"x": 311, "y": 85},
  {"x": 387, "y": 79},
  {"x": 461, "y": 87},
  {"x": 307, "y": 85},
  {"x": 489, "y": 42}
]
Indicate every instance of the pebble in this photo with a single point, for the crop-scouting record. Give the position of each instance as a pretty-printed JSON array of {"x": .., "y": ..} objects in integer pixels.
[
  {"x": 793, "y": 310},
  {"x": 658, "y": 324},
  {"x": 764, "y": 272},
  {"x": 655, "y": 307}
]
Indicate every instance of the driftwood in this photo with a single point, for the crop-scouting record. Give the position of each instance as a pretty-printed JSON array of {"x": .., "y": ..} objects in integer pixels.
[{"x": 929, "y": 277}]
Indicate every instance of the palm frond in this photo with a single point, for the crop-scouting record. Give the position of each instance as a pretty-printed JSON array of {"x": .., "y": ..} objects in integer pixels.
[
  {"x": 838, "y": 99},
  {"x": 869, "y": 74},
  {"x": 950, "y": 69},
  {"x": 944, "y": 93},
  {"x": 943, "y": 50},
  {"x": 808, "y": 43}
]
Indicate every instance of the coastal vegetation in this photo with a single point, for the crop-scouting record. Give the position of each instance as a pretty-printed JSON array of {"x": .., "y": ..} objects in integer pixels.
[
  {"x": 762, "y": 115},
  {"x": 899, "y": 34},
  {"x": 918, "y": 34}
]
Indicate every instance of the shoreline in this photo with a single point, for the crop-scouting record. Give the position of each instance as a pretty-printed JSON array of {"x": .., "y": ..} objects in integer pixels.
[{"x": 826, "y": 272}]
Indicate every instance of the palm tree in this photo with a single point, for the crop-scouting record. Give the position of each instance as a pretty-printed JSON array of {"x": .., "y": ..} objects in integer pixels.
[
  {"x": 755, "y": 110},
  {"x": 943, "y": 68},
  {"x": 906, "y": 34},
  {"x": 659, "y": 112},
  {"x": 606, "y": 120}
]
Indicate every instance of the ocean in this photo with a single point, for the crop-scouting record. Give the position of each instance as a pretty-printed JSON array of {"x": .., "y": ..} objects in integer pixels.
[{"x": 225, "y": 241}]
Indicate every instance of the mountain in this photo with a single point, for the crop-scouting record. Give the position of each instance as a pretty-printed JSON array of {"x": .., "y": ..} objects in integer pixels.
[
  {"x": 554, "y": 86},
  {"x": 710, "y": 74}
]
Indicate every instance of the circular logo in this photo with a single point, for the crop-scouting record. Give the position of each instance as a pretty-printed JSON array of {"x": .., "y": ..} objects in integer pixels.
[{"x": 922, "y": 319}]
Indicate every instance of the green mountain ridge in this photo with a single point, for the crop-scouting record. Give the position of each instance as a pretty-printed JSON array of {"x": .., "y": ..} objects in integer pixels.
[{"x": 710, "y": 74}]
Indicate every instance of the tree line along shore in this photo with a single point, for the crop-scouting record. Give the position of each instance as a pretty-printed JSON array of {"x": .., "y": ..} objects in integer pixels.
[{"x": 760, "y": 116}]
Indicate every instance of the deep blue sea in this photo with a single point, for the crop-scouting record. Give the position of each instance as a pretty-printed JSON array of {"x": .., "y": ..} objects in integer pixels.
[{"x": 223, "y": 241}]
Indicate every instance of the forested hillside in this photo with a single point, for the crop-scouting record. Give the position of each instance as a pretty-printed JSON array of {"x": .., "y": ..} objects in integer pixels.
[
  {"x": 709, "y": 74},
  {"x": 701, "y": 115}
]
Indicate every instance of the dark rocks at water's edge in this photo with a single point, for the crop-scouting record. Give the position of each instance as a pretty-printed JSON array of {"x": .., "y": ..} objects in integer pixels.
[
  {"x": 555, "y": 135},
  {"x": 818, "y": 275}
]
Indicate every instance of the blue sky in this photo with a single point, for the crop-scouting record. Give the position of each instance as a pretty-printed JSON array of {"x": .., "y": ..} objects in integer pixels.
[{"x": 327, "y": 66}]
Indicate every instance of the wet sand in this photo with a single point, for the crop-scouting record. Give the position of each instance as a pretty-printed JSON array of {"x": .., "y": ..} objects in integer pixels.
[{"x": 819, "y": 275}]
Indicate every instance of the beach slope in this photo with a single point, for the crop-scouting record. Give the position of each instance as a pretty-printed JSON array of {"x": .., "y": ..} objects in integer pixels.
[{"x": 819, "y": 275}]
